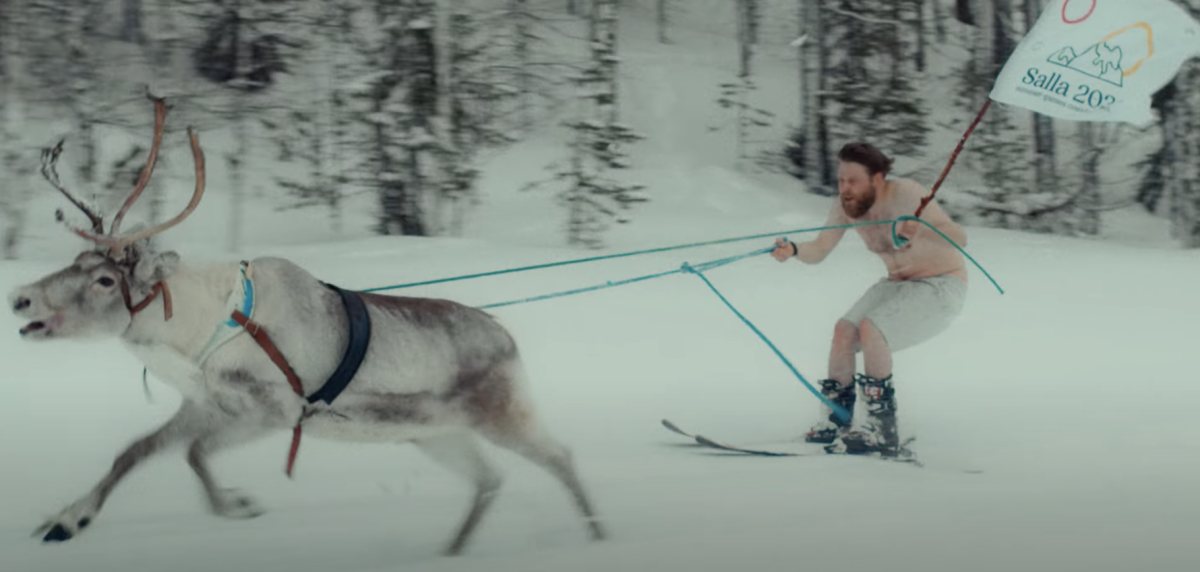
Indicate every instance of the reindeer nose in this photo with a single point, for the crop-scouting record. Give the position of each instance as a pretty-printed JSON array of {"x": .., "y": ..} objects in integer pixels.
[{"x": 21, "y": 303}]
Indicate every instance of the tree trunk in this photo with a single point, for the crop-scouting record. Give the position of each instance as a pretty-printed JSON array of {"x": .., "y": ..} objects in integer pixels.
[
  {"x": 237, "y": 181},
  {"x": 939, "y": 20},
  {"x": 167, "y": 36},
  {"x": 746, "y": 31},
  {"x": 896, "y": 34},
  {"x": 521, "y": 52},
  {"x": 965, "y": 11},
  {"x": 813, "y": 62},
  {"x": 603, "y": 30},
  {"x": 421, "y": 74},
  {"x": 1182, "y": 144},
  {"x": 83, "y": 85},
  {"x": 603, "y": 35},
  {"x": 919, "y": 56},
  {"x": 1004, "y": 37},
  {"x": 1045, "y": 168},
  {"x": 663, "y": 22},
  {"x": 13, "y": 193},
  {"x": 1088, "y": 202},
  {"x": 131, "y": 22},
  {"x": 982, "y": 47}
]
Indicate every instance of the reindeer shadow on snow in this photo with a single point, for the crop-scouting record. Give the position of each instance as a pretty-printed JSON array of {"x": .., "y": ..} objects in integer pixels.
[{"x": 262, "y": 346}]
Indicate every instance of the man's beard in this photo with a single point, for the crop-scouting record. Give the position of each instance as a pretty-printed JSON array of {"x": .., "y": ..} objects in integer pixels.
[{"x": 856, "y": 208}]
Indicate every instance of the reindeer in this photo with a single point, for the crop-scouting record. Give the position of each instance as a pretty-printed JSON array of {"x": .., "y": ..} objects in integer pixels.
[{"x": 261, "y": 346}]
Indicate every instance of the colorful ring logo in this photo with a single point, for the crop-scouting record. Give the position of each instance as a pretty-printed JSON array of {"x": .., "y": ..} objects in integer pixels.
[
  {"x": 1067, "y": 20},
  {"x": 1149, "y": 44}
]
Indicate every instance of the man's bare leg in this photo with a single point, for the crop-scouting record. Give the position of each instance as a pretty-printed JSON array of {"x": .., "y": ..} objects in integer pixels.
[
  {"x": 878, "y": 433},
  {"x": 877, "y": 357},
  {"x": 843, "y": 351},
  {"x": 839, "y": 386}
]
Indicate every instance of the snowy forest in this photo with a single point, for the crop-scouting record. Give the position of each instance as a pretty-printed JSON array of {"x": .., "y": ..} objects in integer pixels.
[
  {"x": 458, "y": 161},
  {"x": 394, "y": 108}
]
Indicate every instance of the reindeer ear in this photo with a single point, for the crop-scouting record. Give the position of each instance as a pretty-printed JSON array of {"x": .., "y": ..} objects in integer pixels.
[{"x": 156, "y": 267}]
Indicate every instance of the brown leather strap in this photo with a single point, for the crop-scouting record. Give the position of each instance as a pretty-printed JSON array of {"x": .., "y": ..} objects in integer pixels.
[
  {"x": 160, "y": 287},
  {"x": 260, "y": 335}
]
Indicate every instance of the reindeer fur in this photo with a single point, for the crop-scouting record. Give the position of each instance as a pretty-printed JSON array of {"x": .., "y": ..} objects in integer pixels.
[{"x": 437, "y": 373}]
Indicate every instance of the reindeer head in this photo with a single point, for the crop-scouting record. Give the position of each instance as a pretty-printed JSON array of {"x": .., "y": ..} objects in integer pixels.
[{"x": 95, "y": 295}]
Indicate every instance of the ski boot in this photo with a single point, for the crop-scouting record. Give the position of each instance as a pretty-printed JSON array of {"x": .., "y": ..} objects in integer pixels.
[
  {"x": 879, "y": 433},
  {"x": 830, "y": 427}
]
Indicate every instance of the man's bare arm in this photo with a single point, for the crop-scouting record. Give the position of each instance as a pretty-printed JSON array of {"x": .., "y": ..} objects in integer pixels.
[
  {"x": 911, "y": 195},
  {"x": 942, "y": 221},
  {"x": 814, "y": 251}
]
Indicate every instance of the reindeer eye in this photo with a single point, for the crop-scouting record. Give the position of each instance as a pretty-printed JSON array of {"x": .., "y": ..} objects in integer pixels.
[{"x": 105, "y": 281}]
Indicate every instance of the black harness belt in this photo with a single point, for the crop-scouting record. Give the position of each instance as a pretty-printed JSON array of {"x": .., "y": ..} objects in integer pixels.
[
  {"x": 356, "y": 347},
  {"x": 359, "y": 339}
]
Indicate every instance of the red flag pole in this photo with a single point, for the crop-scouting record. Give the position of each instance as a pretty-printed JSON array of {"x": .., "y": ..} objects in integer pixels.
[{"x": 957, "y": 150}]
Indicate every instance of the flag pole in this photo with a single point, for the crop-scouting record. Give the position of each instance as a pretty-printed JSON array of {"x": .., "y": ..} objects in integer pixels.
[{"x": 953, "y": 157}]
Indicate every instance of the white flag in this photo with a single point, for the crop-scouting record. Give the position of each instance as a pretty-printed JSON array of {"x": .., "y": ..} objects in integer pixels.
[{"x": 1098, "y": 60}]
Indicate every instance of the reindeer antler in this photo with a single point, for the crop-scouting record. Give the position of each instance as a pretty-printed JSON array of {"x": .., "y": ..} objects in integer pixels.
[
  {"x": 160, "y": 117},
  {"x": 117, "y": 243},
  {"x": 50, "y": 173}
]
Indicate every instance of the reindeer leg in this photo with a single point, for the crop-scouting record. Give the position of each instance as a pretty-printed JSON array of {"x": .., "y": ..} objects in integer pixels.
[
  {"x": 462, "y": 455},
  {"x": 529, "y": 440},
  {"x": 228, "y": 503},
  {"x": 187, "y": 421}
]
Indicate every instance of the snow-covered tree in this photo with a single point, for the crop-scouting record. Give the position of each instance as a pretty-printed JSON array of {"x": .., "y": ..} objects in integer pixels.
[
  {"x": 810, "y": 147},
  {"x": 1044, "y": 147},
  {"x": 14, "y": 157},
  {"x": 870, "y": 76},
  {"x": 736, "y": 94},
  {"x": 663, "y": 9},
  {"x": 1181, "y": 161},
  {"x": 244, "y": 48},
  {"x": 591, "y": 196},
  {"x": 315, "y": 130}
]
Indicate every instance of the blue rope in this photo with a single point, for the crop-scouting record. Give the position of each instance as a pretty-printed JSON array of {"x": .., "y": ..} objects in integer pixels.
[
  {"x": 612, "y": 256},
  {"x": 901, "y": 241},
  {"x": 610, "y": 283},
  {"x": 841, "y": 412},
  {"x": 698, "y": 270}
]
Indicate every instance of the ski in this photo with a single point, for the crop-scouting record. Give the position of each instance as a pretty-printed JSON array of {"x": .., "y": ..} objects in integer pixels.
[
  {"x": 746, "y": 450},
  {"x": 674, "y": 428},
  {"x": 713, "y": 444},
  {"x": 906, "y": 456}
]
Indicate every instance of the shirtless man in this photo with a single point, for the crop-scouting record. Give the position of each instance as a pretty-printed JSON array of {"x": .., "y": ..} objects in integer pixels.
[{"x": 921, "y": 295}]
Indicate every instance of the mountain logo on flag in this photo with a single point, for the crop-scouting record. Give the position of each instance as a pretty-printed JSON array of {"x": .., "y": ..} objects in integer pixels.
[{"x": 1104, "y": 60}]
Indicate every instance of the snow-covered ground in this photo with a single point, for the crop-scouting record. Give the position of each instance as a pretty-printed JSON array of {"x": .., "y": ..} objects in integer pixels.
[{"x": 1073, "y": 391}]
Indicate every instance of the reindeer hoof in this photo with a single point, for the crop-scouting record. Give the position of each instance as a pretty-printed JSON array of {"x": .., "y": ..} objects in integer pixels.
[
  {"x": 61, "y": 529},
  {"x": 597, "y": 530},
  {"x": 57, "y": 534},
  {"x": 233, "y": 504}
]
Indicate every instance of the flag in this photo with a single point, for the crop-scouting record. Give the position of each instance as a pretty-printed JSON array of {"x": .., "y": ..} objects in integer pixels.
[{"x": 1098, "y": 60}]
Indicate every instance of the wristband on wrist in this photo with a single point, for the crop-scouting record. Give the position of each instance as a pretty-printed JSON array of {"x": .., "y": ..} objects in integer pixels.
[{"x": 795, "y": 249}]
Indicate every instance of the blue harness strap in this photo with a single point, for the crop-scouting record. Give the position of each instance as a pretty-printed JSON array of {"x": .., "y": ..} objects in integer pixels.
[
  {"x": 356, "y": 347},
  {"x": 356, "y": 350}
]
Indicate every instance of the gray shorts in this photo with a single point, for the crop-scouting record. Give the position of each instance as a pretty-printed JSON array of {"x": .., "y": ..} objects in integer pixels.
[{"x": 909, "y": 312}]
